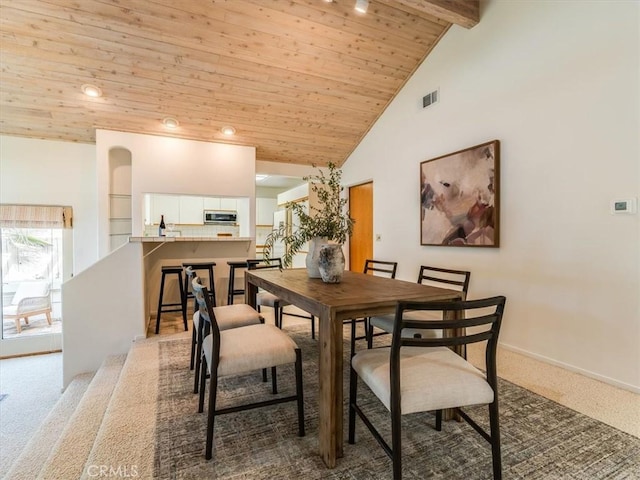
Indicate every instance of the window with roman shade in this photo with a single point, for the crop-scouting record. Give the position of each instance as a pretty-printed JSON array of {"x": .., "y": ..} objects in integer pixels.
[{"x": 35, "y": 216}]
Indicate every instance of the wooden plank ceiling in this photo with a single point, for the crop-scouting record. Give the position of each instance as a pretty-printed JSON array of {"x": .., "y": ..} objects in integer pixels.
[{"x": 301, "y": 80}]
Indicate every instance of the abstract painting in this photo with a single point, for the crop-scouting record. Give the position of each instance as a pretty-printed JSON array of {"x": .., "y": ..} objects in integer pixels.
[{"x": 459, "y": 198}]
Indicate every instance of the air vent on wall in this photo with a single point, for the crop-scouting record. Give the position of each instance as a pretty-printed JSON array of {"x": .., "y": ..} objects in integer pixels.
[{"x": 430, "y": 98}]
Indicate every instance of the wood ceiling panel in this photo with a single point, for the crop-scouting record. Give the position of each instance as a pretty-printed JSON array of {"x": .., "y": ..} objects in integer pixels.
[{"x": 301, "y": 80}]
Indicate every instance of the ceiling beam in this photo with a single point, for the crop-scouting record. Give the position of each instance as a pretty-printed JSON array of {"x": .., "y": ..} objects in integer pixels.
[{"x": 465, "y": 13}]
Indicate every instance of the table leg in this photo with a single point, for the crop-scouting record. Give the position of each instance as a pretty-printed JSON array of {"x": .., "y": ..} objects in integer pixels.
[
  {"x": 330, "y": 391},
  {"x": 449, "y": 413},
  {"x": 250, "y": 292}
]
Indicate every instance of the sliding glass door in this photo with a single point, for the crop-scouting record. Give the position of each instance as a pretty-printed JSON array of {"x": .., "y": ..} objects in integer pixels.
[{"x": 31, "y": 275}]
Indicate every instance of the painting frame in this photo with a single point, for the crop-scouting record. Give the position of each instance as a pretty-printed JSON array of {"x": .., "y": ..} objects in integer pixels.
[{"x": 460, "y": 198}]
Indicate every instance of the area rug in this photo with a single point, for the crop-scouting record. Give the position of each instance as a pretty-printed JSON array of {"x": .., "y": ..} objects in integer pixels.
[{"x": 540, "y": 438}]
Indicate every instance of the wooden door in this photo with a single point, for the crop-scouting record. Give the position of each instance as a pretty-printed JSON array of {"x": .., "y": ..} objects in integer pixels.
[{"x": 361, "y": 210}]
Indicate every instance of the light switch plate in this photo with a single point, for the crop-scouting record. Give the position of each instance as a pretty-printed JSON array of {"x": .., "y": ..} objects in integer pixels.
[{"x": 624, "y": 205}]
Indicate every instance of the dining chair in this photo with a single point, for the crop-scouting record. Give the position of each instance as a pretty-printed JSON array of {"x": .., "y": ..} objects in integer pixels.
[
  {"x": 372, "y": 267},
  {"x": 426, "y": 374},
  {"x": 435, "y": 276},
  {"x": 228, "y": 316},
  {"x": 238, "y": 351},
  {"x": 267, "y": 299}
]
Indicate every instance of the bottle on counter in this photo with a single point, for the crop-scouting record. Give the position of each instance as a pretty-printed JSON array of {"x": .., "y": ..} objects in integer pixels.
[{"x": 161, "y": 227}]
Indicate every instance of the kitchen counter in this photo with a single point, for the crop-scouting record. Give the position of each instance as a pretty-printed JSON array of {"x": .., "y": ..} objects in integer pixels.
[
  {"x": 162, "y": 251},
  {"x": 188, "y": 239}
]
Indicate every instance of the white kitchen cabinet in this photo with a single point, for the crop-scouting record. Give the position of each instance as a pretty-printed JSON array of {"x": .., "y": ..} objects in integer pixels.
[
  {"x": 228, "y": 204},
  {"x": 264, "y": 210},
  {"x": 211, "y": 203},
  {"x": 167, "y": 205},
  {"x": 191, "y": 210}
]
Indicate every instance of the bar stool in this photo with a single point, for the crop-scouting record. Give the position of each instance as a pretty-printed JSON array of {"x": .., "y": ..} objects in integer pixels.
[
  {"x": 172, "y": 270},
  {"x": 208, "y": 266},
  {"x": 233, "y": 265}
]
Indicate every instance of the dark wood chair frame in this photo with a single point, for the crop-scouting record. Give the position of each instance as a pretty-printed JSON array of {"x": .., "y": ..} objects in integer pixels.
[
  {"x": 256, "y": 264},
  {"x": 189, "y": 274},
  {"x": 199, "y": 333},
  {"x": 207, "y": 316},
  {"x": 430, "y": 274},
  {"x": 370, "y": 265},
  {"x": 458, "y": 339}
]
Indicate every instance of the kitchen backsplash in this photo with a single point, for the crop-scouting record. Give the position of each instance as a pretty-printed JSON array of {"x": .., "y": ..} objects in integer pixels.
[{"x": 193, "y": 230}]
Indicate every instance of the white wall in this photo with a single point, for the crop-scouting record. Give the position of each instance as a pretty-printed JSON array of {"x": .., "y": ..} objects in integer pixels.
[
  {"x": 172, "y": 165},
  {"x": 54, "y": 173},
  {"x": 558, "y": 84},
  {"x": 103, "y": 311}
]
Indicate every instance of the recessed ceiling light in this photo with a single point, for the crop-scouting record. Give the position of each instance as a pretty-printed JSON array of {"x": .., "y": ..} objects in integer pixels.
[
  {"x": 361, "y": 6},
  {"x": 228, "y": 130},
  {"x": 91, "y": 90},
  {"x": 170, "y": 122}
]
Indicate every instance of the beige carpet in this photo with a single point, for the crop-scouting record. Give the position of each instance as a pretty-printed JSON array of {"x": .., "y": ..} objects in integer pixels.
[
  {"x": 29, "y": 463},
  {"x": 125, "y": 441},
  {"x": 68, "y": 456},
  {"x": 33, "y": 385}
]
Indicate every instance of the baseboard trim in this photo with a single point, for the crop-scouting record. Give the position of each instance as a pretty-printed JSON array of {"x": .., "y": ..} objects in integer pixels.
[{"x": 572, "y": 368}]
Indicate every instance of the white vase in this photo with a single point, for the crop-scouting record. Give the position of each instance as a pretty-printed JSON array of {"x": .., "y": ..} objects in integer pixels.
[
  {"x": 331, "y": 262},
  {"x": 313, "y": 256}
]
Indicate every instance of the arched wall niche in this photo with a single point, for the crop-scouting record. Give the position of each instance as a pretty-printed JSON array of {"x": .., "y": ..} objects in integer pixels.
[{"x": 120, "y": 214}]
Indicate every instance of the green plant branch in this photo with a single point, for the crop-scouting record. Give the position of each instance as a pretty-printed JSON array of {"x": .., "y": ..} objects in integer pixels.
[{"x": 330, "y": 219}]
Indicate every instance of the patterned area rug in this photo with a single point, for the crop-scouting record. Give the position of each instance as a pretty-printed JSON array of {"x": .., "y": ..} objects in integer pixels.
[{"x": 540, "y": 438}]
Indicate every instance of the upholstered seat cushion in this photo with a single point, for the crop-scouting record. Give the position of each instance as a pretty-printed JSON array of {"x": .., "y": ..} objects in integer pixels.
[
  {"x": 266, "y": 299},
  {"x": 251, "y": 348},
  {"x": 232, "y": 316},
  {"x": 236, "y": 315},
  {"x": 385, "y": 322},
  {"x": 430, "y": 379}
]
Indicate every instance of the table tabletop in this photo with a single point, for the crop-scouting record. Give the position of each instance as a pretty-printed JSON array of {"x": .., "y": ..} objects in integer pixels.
[{"x": 357, "y": 295}]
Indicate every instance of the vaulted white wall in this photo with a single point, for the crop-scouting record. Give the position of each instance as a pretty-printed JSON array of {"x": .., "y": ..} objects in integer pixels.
[{"x": 558, "y": 84}]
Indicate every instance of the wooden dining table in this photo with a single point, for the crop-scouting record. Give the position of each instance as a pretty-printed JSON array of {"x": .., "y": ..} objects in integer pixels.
[{"x": 356, "y": 296}]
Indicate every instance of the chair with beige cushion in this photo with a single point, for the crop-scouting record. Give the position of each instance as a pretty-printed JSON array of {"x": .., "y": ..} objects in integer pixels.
[
  {"x": 426, "y": 374},
  {"x": 229, "y": 316},
  {"x": 238, "y": 351},
  {"x": 435, "y": 276},
  {"x": 31, "y": 298}
]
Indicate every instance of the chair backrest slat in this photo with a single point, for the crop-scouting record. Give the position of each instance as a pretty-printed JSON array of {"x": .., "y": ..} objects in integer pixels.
[
  {"x": 205, "y": 306},
  {"x": 257, "y": 264},
  {"x": 388, "y": 268},
  {"x": 457, "y": 334},
  {"x": 445, "y": 277}
]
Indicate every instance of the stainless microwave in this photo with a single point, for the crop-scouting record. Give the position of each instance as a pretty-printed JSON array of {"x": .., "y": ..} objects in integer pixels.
[{"x": 220, "y": 217}]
